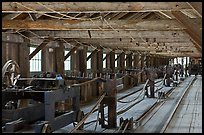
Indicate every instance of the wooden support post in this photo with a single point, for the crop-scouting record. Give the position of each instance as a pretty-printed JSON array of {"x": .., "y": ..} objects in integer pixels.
[
  {"x": 59, "y": 57},
  {"x": 47, "y": 60},
  {"x": 129, "y": 61},
  {"x": 82, "y": 58},
  {"x": 182, "y": 67},
  {"x": 186, "y": 68},
  {"x": 23, "y": 62},
  {"x": 122, "y": 62},
  {"x": 99, "y": 62},
  {"x": 94, "y": 89},
  {"x": 110, "y": 101},
  {"x": 139, "y": 66},
  {"x": 150, "y": 76},
  {"x": 152, "y": 62},
  {"x": 100, "y": 71},
  {"x": 129, "y": 66},
  {"x": 142, "y": 66},
  {"x": 74, "y": 61},
  {"x": 135, "y": 61},
  {"x": 147, "y": 61},
  {"x": 151, "y": 84},
  {"x": 168, "y": 81},
  {"x": 10, "y": 52},
  {"x": 112, "y": 64},
  {"x": 59, "y": 69}
]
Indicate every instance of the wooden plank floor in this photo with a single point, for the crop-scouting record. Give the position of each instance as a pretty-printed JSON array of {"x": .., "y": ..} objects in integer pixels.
[
  {"x": 154, "y": 122},
  {"x": 188, "y": 117},
  {"x": 136, "y": 111}
]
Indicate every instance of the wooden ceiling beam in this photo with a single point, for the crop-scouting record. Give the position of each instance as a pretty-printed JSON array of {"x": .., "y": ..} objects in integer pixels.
[
  {"x": 191, "y": 28},
  {"x": 197, "y": 6},
  {"x": 112, "y": 34},
  {"x": 64, "y": 7},
  {"x": 40, "y": 47},
  {"x": 16, "y": 38},
  {"x": 129, "y": 40},
  {"x": 87, "y": 25}
]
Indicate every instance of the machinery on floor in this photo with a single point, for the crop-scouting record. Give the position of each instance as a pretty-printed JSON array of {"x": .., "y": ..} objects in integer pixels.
[{"x": 35, "y": 103}]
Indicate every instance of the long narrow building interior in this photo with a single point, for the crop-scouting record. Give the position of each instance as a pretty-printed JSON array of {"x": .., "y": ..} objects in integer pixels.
[{"x": 101, "y": 67}]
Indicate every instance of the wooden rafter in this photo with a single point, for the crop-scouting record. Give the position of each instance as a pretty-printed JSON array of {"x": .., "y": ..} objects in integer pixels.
[
  {"x": 191, "y": 28},
  {"x": 164, "y": 24},
  {"x": 32, "y": 16},
  {"x": 92, "y": 6},
  {"x": 197, "y": 6},
  {"x": 40, "y": 47},
  {"x": 113, "y": 34},
  {"x": 71, "y": 51},
  {"x": 20, "y": 16},
  {"x": 92, "y": 53}
]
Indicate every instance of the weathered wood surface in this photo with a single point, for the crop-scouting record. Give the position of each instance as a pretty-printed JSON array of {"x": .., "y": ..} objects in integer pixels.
[
  {"x": 153, "y": 124},
  {"x": 188, "y": 117},
  {"x": 73, "y": 7},
  {"x": 134, "y": 112}
]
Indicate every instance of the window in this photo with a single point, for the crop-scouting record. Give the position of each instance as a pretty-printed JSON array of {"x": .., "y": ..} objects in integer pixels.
[
  {"x": 67, "y": 65},
  {"x": 35, "y": 62},
  {"x": 89, "y": 61},
  {"x": 125, "y": 60},
  {"x": 104, "y": 62},
  {"x": 116, "y": 55}
]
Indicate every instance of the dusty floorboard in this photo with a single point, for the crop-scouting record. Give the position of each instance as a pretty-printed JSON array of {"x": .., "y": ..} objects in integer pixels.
[
  {"x": 155, "y": 121},
  {"x": 188, "y": 118}
]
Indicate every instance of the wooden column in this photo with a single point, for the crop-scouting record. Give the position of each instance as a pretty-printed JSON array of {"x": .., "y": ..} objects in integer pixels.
[
  {"x": 23, "y": 59},
  {"x": 129, "y": 60},
  {"x": 139, "y": 67},
  {"x": 186, "y": 68},
  {"x": 99, "y": 85},
  {"x": 94, "y": 68},
  {"x": 108, "y": 62},
  {"x": 47, "y": 59},
  {"x": 182, "y": 68},
  {"x": 152, "y": 61},
  {"x": 82, "y": 58},
  {"x": 129, "y": 66},
  {"x": 23, "y": 62},
  {"x": 112, "y": 63},
  {"x": 142, "y": 66},
  {"x": 148, "y": 61},
  {"x": 122, "y": 62},
  {"x": 59, "y": 59},
  {"x": 135, "y": 61},
  {"x": 75, "y": 62},
  {"x": 10, "y": 52},
  {"x": 99, "y": 62}
]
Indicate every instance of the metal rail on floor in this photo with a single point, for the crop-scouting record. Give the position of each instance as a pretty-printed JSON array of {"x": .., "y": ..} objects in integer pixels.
[{"x": 176, "y": 107}]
